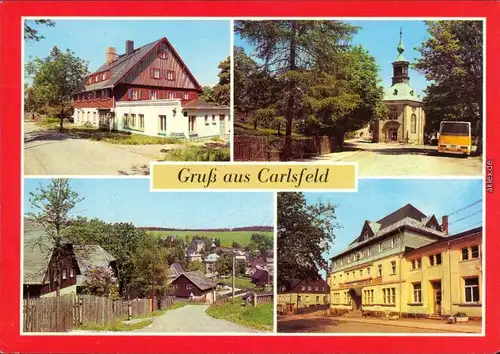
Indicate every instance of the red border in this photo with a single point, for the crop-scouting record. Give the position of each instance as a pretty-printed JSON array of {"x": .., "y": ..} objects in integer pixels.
[{"x": 10, "y": 188}]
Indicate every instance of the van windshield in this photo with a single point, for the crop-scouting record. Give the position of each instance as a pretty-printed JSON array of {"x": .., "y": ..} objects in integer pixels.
[{"x": 455, "y": 129}]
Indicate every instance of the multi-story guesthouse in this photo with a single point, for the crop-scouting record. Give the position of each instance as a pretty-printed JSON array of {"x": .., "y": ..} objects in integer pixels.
[
  {"x": 407, "y": 264},
  {"x": 406, "y": 118},
  {"x": 148, "y": 90},
  {"x": 303, "y": 293}
]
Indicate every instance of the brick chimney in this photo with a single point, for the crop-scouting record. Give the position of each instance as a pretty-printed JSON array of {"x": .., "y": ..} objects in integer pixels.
[
  {"x": 110, "y": 55},
  {"x": 129, "y": 47},
  {"x": 444, "y": 224}
]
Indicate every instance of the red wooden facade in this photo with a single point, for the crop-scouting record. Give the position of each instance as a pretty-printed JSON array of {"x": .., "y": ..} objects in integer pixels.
[
  {"x": 158, "y": 73},
  {"x": 184, "y": 287},
  {"x": 69, "y": 272}
]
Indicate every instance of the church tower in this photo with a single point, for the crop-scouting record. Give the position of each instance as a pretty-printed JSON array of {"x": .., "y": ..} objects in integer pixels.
[
  {"x": 405, "y": 119},
  {"x": 400, "y": 65}
]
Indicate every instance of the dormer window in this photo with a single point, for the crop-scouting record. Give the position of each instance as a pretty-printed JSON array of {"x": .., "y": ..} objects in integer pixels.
[
  {"x": 395, "y": 93},
  {"x": 412, "y": 92}
]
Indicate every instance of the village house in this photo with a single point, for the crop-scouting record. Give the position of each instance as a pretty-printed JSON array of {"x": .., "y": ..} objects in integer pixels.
[
  {"x": 406, "y": 263},
  {"x": 194, "y": 285},
  {"x": 39, "y": 264},
  {"x": 405, "y": 122},
  {"x": 210, "y": 262},
  {"x": 148, "y": 90},
  {"x": 303, "y": 293},
  {"x": 175, "y": 270}
]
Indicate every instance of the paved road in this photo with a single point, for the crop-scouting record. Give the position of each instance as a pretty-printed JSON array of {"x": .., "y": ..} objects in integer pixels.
[
  {"x": 323, "y": 324},
  {"x": 399, "y": 160},
  {"x": 192, "y": 319},
  {"x": 54, "y": 153}
]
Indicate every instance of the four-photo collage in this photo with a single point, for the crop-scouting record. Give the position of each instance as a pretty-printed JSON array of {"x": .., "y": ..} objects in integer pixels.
[{"x": 401, "y": 99}]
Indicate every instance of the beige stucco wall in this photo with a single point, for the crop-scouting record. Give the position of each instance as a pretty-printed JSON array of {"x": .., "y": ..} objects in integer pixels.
[{"x": 404, "y": 110}]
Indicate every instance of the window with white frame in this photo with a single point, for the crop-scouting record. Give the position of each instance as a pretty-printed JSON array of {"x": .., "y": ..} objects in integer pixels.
[
  {"x": 379, "y": 268},
  {"x": 393, "y": 267},
  {"x": 379, "y": 247},
  {"x": 72, "y": 272},
  {"x": 64, "y": 273},
  {"x": 186, "y": 96},
  {"x": 141, "y": 121},
  {"x": 189, "y": 286},
  {"x": 162, "y": 123},
  {"x": 171, "y": 95},
  {"x": 417, "y": 292},
  {"x": 170, "y": 75},
  {"x": 132, "y": 122},
  {"x": 474, "y": 252},
  {"x": 156, "y": 73},
  {"x": 153, "y": 94},
  {"x": 125, "y": 120},
  {"x": 192, "y": 124},
  {"x": 213, "y": 119},
  {"x": 471, "y": 289},
  {"x": 206, "y": 119}
]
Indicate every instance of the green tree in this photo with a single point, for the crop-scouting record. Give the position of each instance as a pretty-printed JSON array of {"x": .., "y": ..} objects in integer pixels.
[
  {"x": 208, "y": 94},
  {"x": 53, "y": 203},
  {"x": 339, "y": 106},
  {"x": 305, "y": 233},
  {"x": 291, "y": 48},
  {"x": 224, "y": 265},
  {"x": 100, "y": 281},
  {"x": 196, "y": 265},
  {"x": 56, "y": 78},
  {"x": 31, "y": 32},
  {"x": 263, "y": 242},
  {"x": 452, "y": 59},
  {"x": 151, "y": 268},
  {"x": 241, "y": 268},
  {"x": 122, "y": 240},
  {"x": 221, "y": 92}
]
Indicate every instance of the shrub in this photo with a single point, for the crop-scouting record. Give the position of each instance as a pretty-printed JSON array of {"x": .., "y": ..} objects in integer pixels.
[
  {"x": 195, "y": 153},
  {"x": 88, "y": 125},
  {"x": 50, "y": 120}
]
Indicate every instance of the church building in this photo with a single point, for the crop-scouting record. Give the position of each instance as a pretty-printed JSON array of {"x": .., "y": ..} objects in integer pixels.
[{"x": 405, "y": 121}]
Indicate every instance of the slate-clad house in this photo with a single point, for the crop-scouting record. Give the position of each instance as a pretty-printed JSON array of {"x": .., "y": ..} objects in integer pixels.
[
  {"x": 193, "y": 285},
  {"x": 148, "y": 90},
  {"x": 39, "y": 272}
]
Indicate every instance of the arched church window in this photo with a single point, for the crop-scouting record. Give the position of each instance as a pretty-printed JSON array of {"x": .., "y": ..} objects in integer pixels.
[{"x": 413, "y": 124}]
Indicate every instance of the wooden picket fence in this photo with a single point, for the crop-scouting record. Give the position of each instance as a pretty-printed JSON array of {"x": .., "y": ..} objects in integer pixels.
[{"x": 63, "y": 313}]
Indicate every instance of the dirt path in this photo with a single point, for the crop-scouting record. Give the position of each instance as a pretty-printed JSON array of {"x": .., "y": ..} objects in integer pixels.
[{"x": 192, "y": 319}]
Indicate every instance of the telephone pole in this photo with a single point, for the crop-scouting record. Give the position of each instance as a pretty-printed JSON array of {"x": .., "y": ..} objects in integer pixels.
[{"x": 234, "y": 274}]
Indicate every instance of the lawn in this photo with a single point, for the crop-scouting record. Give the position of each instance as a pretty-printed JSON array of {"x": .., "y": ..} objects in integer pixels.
[
  {"x": 226, "y": 237},
  {"x": 113, "y": 137},
  {"x": 117, "y": 326},
  {"x": 259, "y": 317}
]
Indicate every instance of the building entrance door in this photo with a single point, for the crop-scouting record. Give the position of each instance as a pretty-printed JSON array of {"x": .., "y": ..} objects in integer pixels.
[
  {"x": 356, "y": 298},
  {"x": 436, "y": 285},
  {"x": 222, "y": 123}
]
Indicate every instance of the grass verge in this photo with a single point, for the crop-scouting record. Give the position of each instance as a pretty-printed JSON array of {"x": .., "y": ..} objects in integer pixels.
[
  {"x": 116, "y": 326},
  {"x": 259, "y": 317},
  {"x": 240, "y": 282}
]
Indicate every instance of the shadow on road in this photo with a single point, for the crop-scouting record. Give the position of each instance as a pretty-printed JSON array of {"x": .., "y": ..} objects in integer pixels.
[
  {"x": 312, "y": 324},
  {"x": 136, "y": 170},
  {"x": 75, "y": 133}
]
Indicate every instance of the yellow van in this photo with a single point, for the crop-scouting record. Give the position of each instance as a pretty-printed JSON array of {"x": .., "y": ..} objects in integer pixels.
[{"x": 455, "y": 138}]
